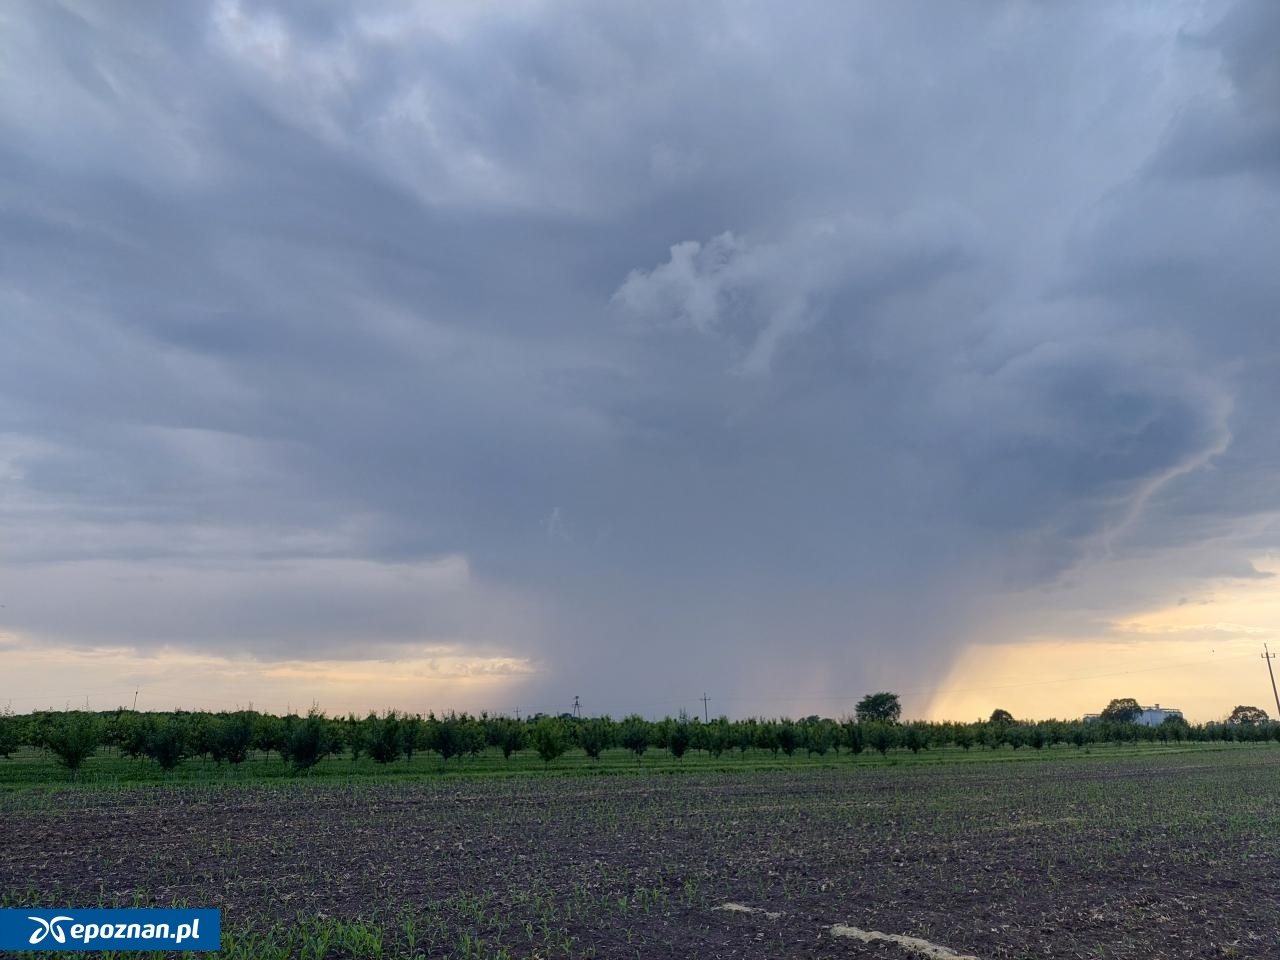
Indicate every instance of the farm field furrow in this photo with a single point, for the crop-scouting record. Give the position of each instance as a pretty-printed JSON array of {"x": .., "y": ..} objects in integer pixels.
[{"x": 1162, "y": 855}]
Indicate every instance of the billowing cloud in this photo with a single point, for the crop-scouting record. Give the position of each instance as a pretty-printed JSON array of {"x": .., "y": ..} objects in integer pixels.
[{"x": 651, "y": 349}]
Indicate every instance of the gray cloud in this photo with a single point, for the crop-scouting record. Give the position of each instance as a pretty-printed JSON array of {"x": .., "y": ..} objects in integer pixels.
[
  {"x": 1233, "y": 128},
  {"x": 769, "y": 353}
]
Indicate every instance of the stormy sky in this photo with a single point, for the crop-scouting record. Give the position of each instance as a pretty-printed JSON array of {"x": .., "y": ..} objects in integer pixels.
[{"x": 485, "y": 355}]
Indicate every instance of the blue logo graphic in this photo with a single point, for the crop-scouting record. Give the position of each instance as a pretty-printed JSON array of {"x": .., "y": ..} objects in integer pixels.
[{"x": 34, "y": 929}]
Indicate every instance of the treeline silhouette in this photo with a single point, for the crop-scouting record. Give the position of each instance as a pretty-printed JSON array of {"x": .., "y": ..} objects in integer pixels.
[{"x": 233, "y": 737}]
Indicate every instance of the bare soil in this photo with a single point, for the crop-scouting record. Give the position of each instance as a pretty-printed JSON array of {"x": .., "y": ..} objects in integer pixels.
[{"x": 1164, "y": 857}]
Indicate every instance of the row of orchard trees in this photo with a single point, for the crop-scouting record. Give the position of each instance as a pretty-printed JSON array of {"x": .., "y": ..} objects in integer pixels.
[{"x": 303, "y": 741}]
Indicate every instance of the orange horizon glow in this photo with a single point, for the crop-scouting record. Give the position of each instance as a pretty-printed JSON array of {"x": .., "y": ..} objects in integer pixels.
[
  {"x": 1201, "y": 657},
  {"x": 431, "y": 678}
]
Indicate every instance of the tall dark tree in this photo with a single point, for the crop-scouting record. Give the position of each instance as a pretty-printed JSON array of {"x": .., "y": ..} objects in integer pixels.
[
  {"x": 1122, "y": 710},
  {"x": 883, "y": 706},
  {"x": 1248, "y": 715}
]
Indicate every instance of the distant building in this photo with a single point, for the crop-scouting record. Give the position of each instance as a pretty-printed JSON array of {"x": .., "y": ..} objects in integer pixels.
[
  {"x": 1149, "y": 717},
  {"x": 1154, "y": 716}
]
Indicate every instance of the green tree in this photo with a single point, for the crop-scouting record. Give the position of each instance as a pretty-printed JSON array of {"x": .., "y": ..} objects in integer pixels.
[
  {"x": 1001, "y": 716},
  {"x": 549, "y": 739},
  {"x": 447, "y": 736},
  {"x": 306, "y": 741},
  {"x": 473, "y": 738},
  {"x": 679, "y": 737},
  {"x": 635, "y": 734},
  {"x": 269, "y": 733},
  {"x": 353, "y": 736},
  {"x": 413, "y": 733},
  {"x": 818, "y": 736},
  {"x": 915, "y": 738},
  {"x": 166, "y": 743},
  {"x": 594, "y": 735},
  {"x": 199, "y": 733},
  {"x": 714, "y": 737},
  {"x": 1122, "y": 710},
  {"x": 767, "y": 736},
  {"x": 131, "y": 730},
  {"x": 788, "y": 736},
  {"x": 1247, "y": 715},
  {"x": 512, "y": 738},
  {"x": 73, "y": 738},
  {"x": 884, "y": 707},
  {"x": 8, "y": 733},
  {"x": 232, "y": 736},
  {"x": 383, "y": 737},
  {"x": 853, "y": 736},
  {"x": 1173, "y": 728},
  {"x": 880, "y": 736}
]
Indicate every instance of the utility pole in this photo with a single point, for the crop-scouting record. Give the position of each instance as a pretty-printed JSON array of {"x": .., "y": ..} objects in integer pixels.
[
  {"x": 577, "y": 707},
  {"x": 135, "y": 701},
  {"x": 1269, "y": 656},
  {"x": 706, "y": 716}
]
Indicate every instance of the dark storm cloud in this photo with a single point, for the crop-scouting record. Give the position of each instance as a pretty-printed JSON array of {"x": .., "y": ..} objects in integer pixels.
[
  {"x": 1239, "y": 132},
  {"x": 687, "y": 338}
]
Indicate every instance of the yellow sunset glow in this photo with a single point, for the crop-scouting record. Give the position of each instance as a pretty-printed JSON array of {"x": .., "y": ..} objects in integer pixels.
[
  {"x": 1201, "y": 655},
  {"x": 431, "y": 678}
]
